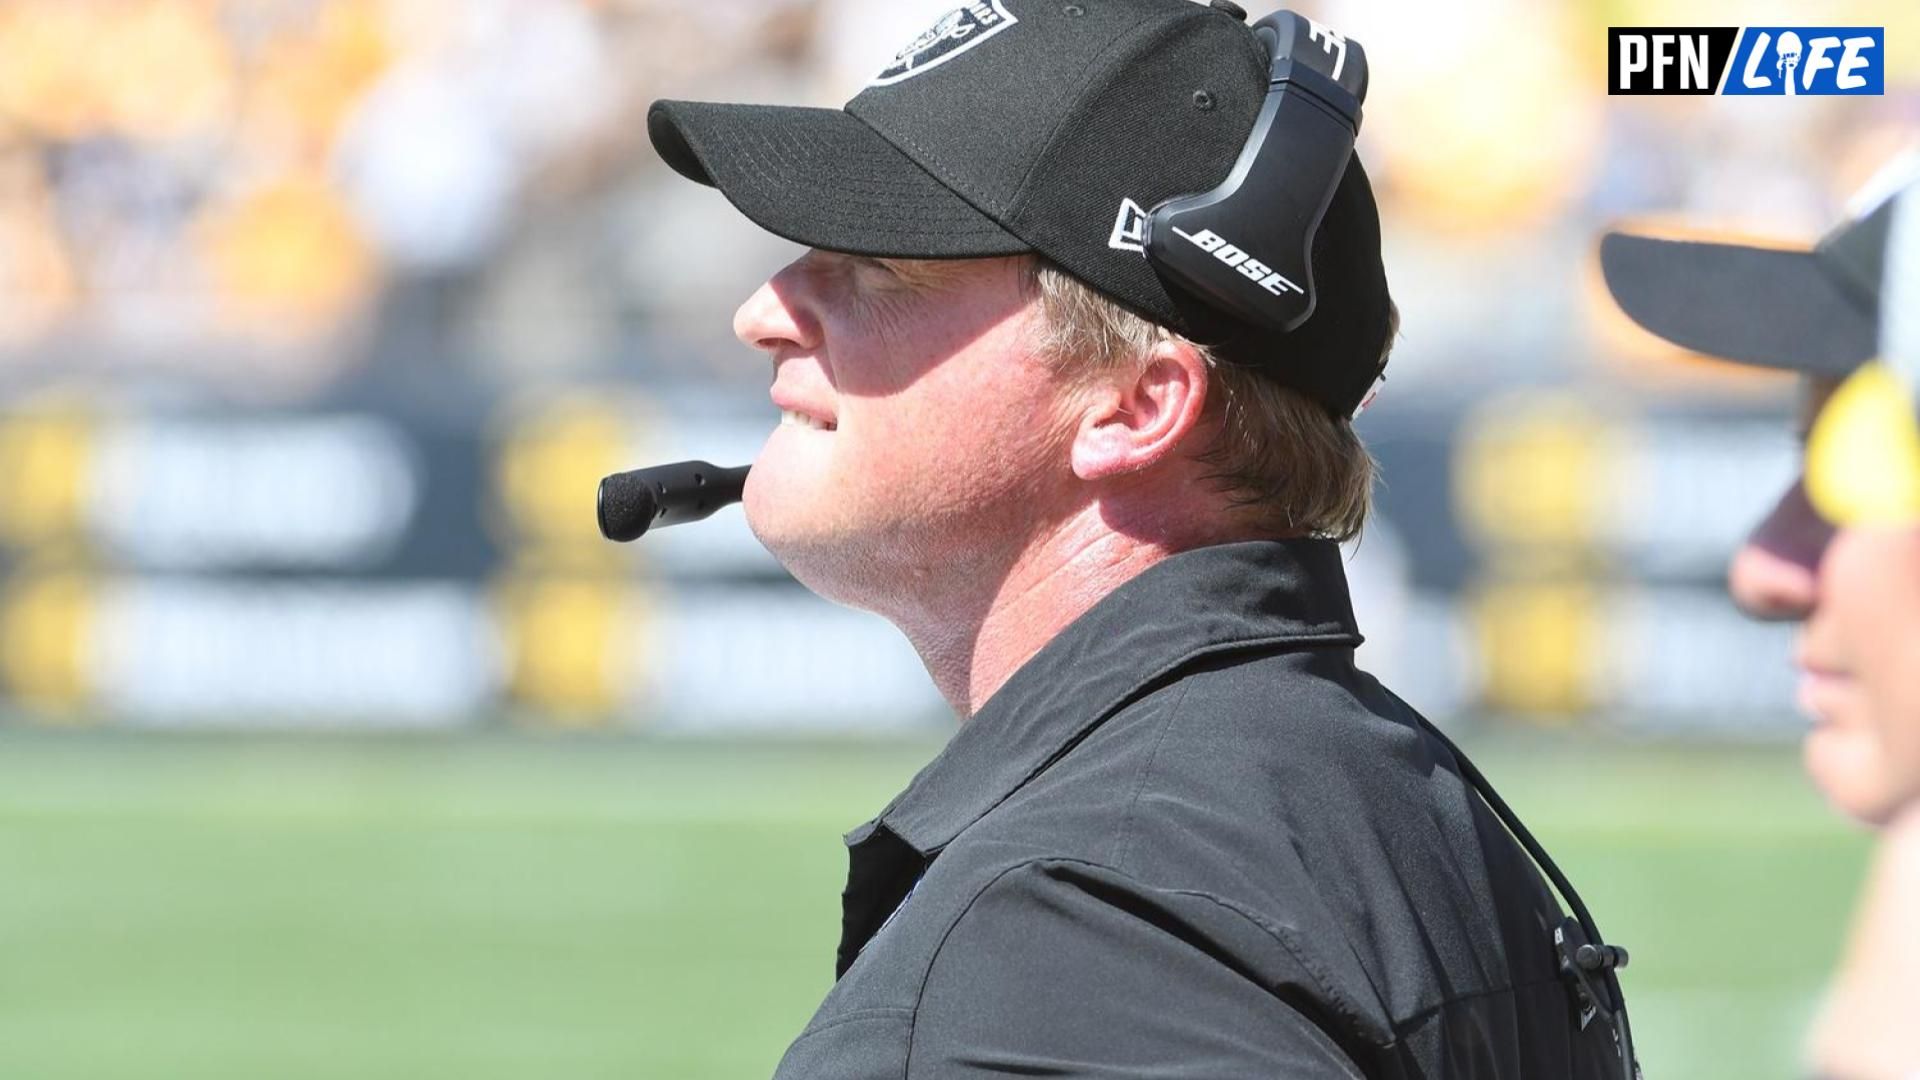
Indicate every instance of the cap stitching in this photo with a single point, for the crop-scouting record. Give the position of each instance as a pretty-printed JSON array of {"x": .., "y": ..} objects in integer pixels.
[
  {"x": 979, "y": 200},
  {"x": 996, "y": 207},
  {"x": 876, "y": 219},
  {"x": 753, "y": 160},
  {"x": 991, "y": 206},
  {"x": 878, "y": 182},
  {"x": 752, "y": 146},
  {"x": 1086, "y": 77}
]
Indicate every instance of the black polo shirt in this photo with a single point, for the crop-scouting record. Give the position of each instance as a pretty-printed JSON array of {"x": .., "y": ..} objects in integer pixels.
[{"x": 1190, "y": 839}]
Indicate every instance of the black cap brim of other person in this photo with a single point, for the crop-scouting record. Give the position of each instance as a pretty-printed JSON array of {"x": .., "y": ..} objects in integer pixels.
[
  {"x": 1815, "y": 311},
  {"x": 822, "y": 178},
  {"x": 1771, "y": 308}
]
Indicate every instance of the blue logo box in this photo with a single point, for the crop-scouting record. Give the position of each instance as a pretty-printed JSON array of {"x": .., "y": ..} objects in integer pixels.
[{"x": 1809, "y": 60}]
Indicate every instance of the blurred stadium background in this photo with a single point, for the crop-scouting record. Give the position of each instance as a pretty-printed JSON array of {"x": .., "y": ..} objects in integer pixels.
[{"x": 336, "y": 742}]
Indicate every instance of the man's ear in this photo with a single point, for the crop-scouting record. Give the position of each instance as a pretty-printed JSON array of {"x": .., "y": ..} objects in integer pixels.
[{"x": 1139, "y": 418}]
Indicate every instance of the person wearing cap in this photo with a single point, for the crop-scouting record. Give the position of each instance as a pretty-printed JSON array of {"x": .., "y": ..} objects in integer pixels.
[
  {"x": 1839, "y": 552},
  {"x": 1863, "y": 475},
  {"x": 1816, "y": 312},
  {"x": 1177, "y": 833}
]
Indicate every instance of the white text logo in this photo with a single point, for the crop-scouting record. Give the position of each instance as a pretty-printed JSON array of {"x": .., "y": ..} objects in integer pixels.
[
  {"x": 1249, "y": 267},
  {"x": 1333, "y": 41}
]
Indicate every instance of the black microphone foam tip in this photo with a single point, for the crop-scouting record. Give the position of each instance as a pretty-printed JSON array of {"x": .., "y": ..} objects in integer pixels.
[{"x": 627, "y": 507}]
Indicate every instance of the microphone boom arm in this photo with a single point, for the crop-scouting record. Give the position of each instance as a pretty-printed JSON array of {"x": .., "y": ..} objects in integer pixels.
[{"x": 631, "y": 503}]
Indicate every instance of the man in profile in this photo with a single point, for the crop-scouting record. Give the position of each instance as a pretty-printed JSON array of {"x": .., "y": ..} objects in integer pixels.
[{"x": 1178, "y": 833}]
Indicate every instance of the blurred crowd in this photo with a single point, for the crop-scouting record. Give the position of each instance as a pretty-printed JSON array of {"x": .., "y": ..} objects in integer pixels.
[
  {"x": 266, "y": 194},
  {"x": 424, "y": 249},
  {"x": 178, "y": 175}
]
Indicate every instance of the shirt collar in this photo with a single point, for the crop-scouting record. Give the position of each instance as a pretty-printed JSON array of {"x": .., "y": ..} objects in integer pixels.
[{"x": 1204, "y": 601}]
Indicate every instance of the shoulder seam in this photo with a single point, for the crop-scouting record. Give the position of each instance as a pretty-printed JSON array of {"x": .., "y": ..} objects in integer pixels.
[
  {"x": 1286, "y": 940},
  {"x": 919, "y": 994},
  {"x": 876, "y": 1012},
  {"x": 1335, "y": 1000},
  {"x": 1123, "y": 842}
]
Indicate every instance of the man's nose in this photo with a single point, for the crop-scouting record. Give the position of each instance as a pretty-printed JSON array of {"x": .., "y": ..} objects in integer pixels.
[
  {"x": 1776, "y": 574},
  {"x": 775, "y": 319}
]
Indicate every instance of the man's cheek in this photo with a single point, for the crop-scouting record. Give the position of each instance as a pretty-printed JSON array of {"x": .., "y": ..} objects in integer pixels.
[
  {"x": 1898, "y": 715},
  {"x": 898, "y": 461}
]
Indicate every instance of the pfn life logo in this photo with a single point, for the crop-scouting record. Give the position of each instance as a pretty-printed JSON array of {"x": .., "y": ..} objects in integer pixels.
[{"x": 1789, "y": 61}]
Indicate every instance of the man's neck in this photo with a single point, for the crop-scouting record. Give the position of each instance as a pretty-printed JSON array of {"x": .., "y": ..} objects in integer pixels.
[{"x": 973, "y": 638}]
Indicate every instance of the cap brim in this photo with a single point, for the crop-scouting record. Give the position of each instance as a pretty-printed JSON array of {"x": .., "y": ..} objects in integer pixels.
[
  {"x": 1763, "y": 306},
  {"x": 822, "y": 178}
]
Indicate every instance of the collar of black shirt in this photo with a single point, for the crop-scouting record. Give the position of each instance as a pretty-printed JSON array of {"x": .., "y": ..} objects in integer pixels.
[
  {"x": 1255, "y": 595},
  {"x": 1252, "y": 595}
]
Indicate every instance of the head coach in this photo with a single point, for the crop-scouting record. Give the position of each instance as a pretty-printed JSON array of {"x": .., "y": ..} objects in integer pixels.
[{"x": 1066, "y": 379}]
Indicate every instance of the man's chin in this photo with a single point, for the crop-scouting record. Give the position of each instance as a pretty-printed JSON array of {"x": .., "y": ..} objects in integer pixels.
[
  {"x": 787, "y": 496},
  {"x": 790, "y": 532},
  {"x": 806, "y": 538},
  {"x": 1845, "y": 765}
]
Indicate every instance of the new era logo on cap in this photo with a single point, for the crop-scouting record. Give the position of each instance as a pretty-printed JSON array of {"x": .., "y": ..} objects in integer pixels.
[
  {"x": 955, "y": 33},
  {"x": 1129, "y": 229}
]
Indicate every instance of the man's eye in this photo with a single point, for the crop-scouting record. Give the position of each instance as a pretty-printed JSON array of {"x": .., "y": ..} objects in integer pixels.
[{"x": 878, "y": 272}]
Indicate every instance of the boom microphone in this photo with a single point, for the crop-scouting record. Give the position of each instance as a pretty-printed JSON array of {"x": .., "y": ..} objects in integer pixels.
[{"x": 630, "y": 503}]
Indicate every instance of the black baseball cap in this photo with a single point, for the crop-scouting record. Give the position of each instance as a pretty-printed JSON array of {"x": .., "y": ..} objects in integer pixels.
[
  {"x": 1814, "y": 310},
  {"x": 1046, "y": 127}
]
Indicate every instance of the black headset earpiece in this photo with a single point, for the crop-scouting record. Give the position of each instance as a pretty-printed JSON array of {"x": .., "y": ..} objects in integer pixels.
[{"x": 1246, "y": 247}]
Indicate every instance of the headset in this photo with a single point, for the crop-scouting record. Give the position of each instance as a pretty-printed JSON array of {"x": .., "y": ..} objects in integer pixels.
[
  {"x": 1275, "y": 197},
  {"x": 1272, "y": 202}
]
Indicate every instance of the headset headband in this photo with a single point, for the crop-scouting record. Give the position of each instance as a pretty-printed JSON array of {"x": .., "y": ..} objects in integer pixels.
[{"x": 1246, "y": 247}]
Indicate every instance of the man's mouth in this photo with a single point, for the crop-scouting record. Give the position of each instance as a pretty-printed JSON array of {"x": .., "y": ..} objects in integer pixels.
[
  {"x": 1821, "y": 691},
  {"x": 790, "y": 418}
]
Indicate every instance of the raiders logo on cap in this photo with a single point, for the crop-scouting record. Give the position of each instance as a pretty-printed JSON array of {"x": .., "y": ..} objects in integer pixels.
[{"x": 955, "y": 33}]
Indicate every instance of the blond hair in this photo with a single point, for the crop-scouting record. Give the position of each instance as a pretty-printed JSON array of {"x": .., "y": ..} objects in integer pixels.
[{"x": 1287, "y": 466}]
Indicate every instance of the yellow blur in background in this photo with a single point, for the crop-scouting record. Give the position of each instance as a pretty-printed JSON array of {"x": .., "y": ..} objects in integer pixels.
[{"x": 334, "y": 741}]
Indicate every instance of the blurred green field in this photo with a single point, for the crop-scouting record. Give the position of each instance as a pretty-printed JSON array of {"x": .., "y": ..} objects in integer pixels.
[{"x": 512, "y": 907}]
